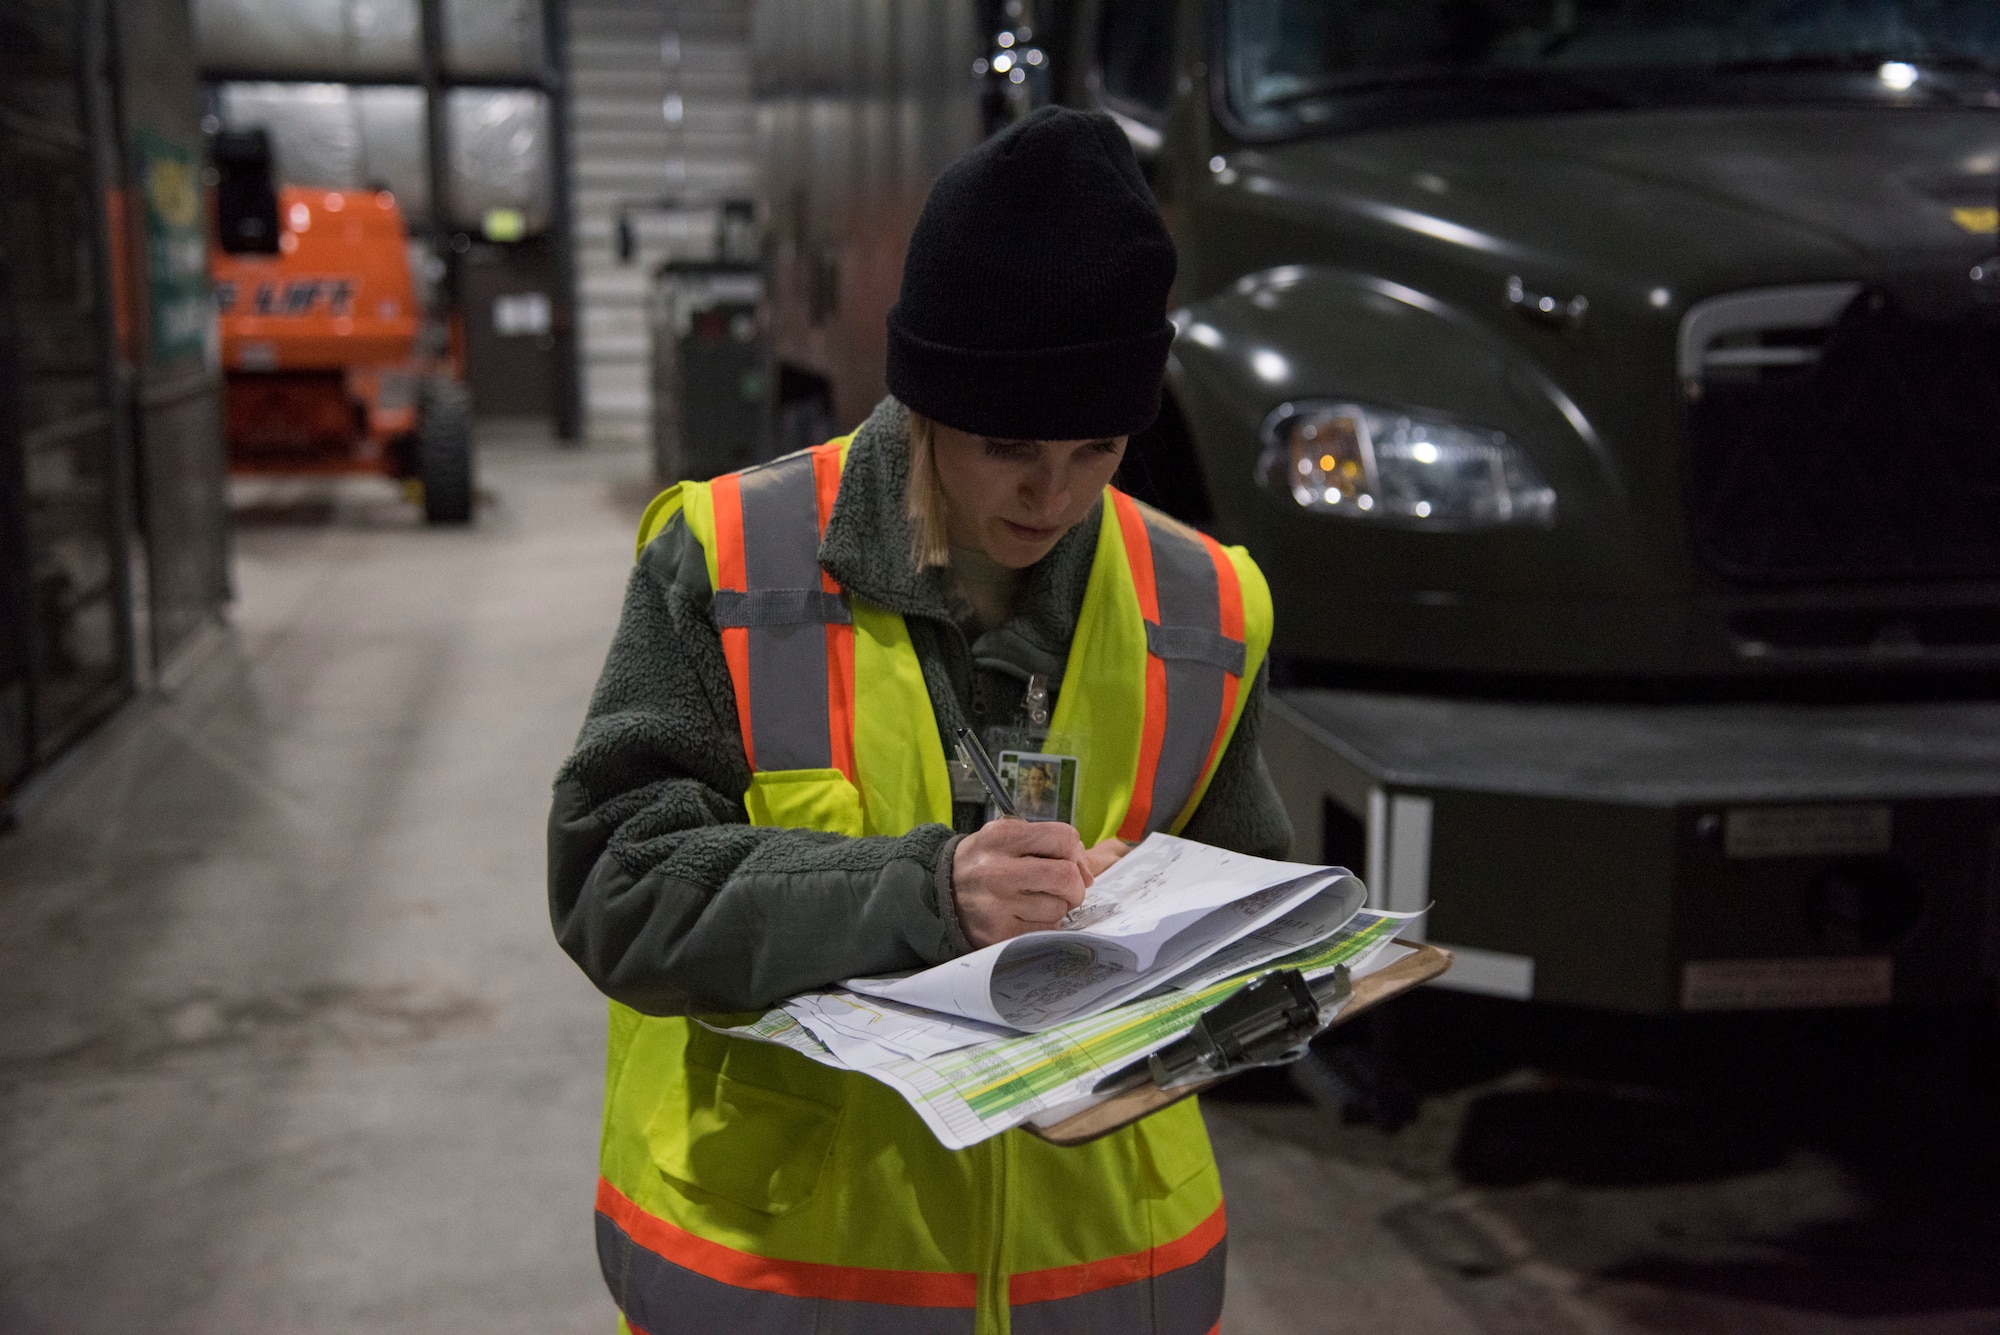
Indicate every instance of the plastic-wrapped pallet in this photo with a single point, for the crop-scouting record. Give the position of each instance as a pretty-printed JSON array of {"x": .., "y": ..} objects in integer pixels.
[
  {"x": 499, "y": 154},
  {"x": 308, "y": 36},
  {"x": 315, "y": 135},
  {"x": 394, "y": 147},
  {"x": 492, "y": 37},
  {"x": 338, "y": 136}
]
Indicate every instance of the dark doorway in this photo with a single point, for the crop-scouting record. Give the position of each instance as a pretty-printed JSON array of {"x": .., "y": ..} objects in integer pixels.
[{"x": 508, "y": 296}]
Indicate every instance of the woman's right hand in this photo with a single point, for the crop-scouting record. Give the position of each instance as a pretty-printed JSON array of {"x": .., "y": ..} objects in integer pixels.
[{"x": 1015, "y": 876}]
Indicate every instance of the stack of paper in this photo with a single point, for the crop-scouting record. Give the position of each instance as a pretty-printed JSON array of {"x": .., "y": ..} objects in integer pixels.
[{"x": 1023, "y": 1030}]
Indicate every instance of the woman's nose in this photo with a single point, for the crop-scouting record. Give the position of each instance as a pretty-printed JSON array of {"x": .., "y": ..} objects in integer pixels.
[
  {"x": 1045, "y": 500},
  {"x": 1045, "y": 490}
]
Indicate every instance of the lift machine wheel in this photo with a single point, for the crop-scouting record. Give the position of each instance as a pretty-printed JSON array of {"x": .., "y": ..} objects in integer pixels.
[{"x": 444, "y": 451}]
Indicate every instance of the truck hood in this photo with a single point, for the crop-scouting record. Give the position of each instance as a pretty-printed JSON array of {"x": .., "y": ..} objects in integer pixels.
[{"x": 1691, "y": 199}]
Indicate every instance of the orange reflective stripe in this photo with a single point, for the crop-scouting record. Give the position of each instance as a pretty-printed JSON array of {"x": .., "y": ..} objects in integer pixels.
[
  {"x": 798, "y": 1279},
  {"x": 1153, "y": 733},
  {"x": 840, "y": 697},
  {"x": 1071, "y": 1281},
  {"x": 839, "y": 637},
  {"x": 1152, "y": 738},
  {"x": 826, "y": 489},
  {"x": 1138, "y": 553},
  {"x": 727, "y": 496},
  {"x": 1191, "y": 604},
  {"x": 769, "y": 521}
]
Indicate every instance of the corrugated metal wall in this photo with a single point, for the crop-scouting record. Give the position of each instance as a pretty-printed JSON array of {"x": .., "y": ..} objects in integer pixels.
[
  {"x": 660, "y": 106},
  {"x": 860, "y": 104}
]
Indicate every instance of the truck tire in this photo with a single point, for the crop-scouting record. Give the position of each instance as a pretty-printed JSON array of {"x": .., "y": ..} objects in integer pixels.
[{"x": 444, "y": 452}]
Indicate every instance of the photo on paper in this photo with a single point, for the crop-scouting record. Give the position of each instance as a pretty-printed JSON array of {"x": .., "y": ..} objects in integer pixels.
[{"x": 1043, "y": 786}]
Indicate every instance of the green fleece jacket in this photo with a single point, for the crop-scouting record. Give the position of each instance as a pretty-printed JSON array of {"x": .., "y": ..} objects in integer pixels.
[{"x": 661, "y": 890}]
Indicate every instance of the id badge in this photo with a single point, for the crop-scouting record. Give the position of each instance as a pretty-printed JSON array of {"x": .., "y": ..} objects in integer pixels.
[{"x": 1042, "y": 784}]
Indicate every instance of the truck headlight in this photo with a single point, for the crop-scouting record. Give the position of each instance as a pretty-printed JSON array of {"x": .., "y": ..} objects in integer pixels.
[{"x": 1379, "y": 464}]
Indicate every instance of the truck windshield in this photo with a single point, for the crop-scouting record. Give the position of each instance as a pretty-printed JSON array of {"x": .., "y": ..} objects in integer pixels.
[{"x": 1295, "y": 66}]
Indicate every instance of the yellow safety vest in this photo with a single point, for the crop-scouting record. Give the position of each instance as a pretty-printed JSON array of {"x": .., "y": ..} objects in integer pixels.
[{"x": 747, "y": 1188}]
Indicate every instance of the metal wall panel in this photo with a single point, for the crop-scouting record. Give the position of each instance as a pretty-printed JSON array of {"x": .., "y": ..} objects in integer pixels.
[
  {"x": 860, "y": 104},
  {"x": 660, "y": 106}
]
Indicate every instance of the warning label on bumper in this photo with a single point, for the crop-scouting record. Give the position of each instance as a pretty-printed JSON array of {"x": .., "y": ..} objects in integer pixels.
[
  {"x": 1806, "y": 832},
  {"x": 1787, "y": 984}
]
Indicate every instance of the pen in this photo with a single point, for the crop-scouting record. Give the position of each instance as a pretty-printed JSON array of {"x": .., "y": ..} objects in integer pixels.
[{"x": 975, "y": 755}]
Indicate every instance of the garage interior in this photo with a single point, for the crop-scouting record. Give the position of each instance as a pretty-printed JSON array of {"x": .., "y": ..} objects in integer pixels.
[{"x": 285, "y": 1042}]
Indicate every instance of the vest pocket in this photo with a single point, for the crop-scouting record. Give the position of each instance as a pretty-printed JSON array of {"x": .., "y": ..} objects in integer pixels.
[
  {"x": 760, "y": 1148},
  {"x": 1174, "y": 1148},
  {"x": 804, "y": 799}
]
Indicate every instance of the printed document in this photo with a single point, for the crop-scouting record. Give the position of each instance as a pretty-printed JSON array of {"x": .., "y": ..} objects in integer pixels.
[
  {"x": 969, "y": 1081},
  {"x": 1162, "y": 911}
]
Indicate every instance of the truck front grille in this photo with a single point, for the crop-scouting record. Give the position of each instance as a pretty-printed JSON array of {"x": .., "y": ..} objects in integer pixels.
[{"x": 1834, "y": 434}]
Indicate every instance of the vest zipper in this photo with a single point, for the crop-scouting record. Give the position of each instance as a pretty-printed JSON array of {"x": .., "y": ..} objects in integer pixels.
[{"x": 995, "y": 1316}]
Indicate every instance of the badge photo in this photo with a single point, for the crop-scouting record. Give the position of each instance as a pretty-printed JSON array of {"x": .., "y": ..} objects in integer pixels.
[{"x": 1043, "y": 785}]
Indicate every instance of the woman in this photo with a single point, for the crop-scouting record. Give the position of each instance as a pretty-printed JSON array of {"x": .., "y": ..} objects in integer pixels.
[{"x": 760, "y": 802}]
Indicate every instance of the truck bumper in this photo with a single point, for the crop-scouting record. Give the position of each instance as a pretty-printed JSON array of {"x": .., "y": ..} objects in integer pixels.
[{"x": 1661, "y": 858}]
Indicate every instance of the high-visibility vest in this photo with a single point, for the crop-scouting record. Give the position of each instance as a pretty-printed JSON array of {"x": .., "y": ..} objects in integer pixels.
[{"x": 746, "y": 1188}]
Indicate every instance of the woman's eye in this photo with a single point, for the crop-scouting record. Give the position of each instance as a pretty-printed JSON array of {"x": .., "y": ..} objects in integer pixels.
[
  {"x": 1009, "y": 449},
  {"x": 1106, "y": 446}
]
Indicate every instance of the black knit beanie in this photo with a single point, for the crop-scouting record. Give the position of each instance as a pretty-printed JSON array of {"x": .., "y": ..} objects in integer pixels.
[{"x": 1035, "y": 289}]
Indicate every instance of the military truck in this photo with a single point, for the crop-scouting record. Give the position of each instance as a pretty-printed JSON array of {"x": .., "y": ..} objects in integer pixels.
[{"x": 1611, "y": 394}]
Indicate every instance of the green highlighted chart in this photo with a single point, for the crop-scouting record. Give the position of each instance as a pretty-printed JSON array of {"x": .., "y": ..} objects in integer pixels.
[{"x": 974, "y": 1092}]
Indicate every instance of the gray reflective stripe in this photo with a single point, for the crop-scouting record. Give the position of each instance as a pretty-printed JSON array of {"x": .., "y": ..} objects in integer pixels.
[
  {"x": 1190, "y": 611},
  {"x": 780, "y": 524},
  {"x": 662, "y": 1298},
  {"x": 1197, "y": 644},
  {"x": 1187, "y": 1301},
  {"x": 782, "y": 607},
  {"x": 788, "y": 707}
]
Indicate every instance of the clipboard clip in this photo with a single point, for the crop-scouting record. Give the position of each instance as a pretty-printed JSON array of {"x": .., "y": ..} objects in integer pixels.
[{"x": 1268, "y": 1023}]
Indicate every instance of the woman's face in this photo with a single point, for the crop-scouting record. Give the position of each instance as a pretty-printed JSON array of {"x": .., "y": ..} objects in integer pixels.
[{"x": 1012, "y": 499}]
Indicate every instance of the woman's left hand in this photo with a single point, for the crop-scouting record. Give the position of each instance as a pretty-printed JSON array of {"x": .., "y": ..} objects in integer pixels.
[{"x": 1100, "y": 855}]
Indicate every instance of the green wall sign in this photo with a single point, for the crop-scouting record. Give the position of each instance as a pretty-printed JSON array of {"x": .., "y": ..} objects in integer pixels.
[{"x": 183, "y": 315}]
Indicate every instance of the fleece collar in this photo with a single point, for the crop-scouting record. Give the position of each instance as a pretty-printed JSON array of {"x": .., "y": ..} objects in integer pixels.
[{"x": 868, "y": 543}]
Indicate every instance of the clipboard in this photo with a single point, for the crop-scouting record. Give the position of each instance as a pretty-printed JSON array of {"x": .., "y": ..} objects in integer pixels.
[{"x": 1275, "y": 1017}]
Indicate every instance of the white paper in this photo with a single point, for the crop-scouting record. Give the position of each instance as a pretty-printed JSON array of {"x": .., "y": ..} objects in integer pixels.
[
  {"x": 1161, "y": 909},
  {"x": 969, "y": 1093},
  {"x": 1315, "y": 920},
  {"x": 872, "y": 1031}
]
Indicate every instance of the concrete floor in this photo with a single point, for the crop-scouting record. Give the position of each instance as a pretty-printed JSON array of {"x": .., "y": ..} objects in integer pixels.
[{"x": 285, "y": 1044}]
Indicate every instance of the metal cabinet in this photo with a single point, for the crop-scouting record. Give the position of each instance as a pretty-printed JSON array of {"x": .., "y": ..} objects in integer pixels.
[{"x": 112, "y": 513}]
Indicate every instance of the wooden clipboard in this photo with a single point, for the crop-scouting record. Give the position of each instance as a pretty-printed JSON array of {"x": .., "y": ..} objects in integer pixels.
[{"x": 1101, "y": 1119}]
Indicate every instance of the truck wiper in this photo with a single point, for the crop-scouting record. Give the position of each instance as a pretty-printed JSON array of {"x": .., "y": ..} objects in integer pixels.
[
  {"x": 1430, "y": 77},
  {"x": 1858, "y": 61}
]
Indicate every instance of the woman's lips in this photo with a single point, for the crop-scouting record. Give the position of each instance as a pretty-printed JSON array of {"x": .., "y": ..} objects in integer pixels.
[{"x": 1028, "y": 533}]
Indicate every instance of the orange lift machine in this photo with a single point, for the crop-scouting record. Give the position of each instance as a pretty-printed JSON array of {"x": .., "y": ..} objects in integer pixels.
[{"x": 323, "y": 366}]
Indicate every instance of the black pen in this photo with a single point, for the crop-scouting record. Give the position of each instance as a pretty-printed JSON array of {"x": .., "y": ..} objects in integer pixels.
[{"x": 975, "y": 755}]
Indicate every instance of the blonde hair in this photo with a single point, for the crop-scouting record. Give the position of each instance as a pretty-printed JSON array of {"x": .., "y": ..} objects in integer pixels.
[{"x": 924, "y": 499}]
